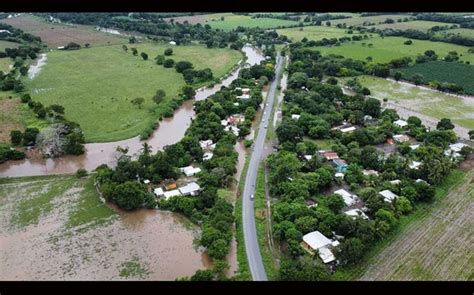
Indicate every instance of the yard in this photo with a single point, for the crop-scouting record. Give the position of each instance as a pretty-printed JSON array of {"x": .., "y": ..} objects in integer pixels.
[
  {"x": 388, "y": 48},
  {"x": 429, "y": 102},
  {"x": 55, "y": 35},
  {"x": 313, "y": 33},
  {"x": 96, "y": 85}
]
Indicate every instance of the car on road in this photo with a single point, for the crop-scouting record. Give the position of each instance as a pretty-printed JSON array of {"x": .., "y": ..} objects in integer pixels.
[
  {"x": 266, "y": 125},
  {"x": 251, "y": 197}
]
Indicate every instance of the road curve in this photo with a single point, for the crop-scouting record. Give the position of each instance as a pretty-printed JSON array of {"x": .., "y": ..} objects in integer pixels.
[{"x": 252, "y": 248}]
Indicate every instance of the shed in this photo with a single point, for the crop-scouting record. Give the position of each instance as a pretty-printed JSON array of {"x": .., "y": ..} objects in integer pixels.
[
  {"x": 349, "y": 199},
  {"x": 205, "y": 143},
  {"x": 330, "y": 156},
  {"x": 295, "y": 116},
  {"x": 395, "y": 182},
  {"x": 172, "y": 43},
  {"x": 414, "y": 146},
  {"x": 207, "y": 156},
  {"x": 388, "y": 195},
  {"x": 400, "y": 123},
  {"x": 354, "y": 213},
  {"x": 146, "y": 181},
  {"x": 307, "y": 157}
]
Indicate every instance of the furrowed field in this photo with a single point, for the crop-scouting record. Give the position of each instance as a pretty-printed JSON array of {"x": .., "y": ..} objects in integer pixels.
[
  {"x": 96, "y": 85},
  {"x": 55, "y": 35},
  {"x": 388, "y": 48},
  {"x": 461, "y": 74},
  {"x": 313, "y": 33}
]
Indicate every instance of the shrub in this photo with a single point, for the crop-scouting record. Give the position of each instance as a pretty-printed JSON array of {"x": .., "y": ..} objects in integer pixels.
[{"x": 81, "y": 172}]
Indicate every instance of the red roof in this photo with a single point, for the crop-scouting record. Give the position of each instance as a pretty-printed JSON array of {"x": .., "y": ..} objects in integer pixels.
[{"x": 330, "y": 155}]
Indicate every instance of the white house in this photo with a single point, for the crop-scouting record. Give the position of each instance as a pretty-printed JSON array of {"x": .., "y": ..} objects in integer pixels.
[
  {"x": 207, "y": 156},
  {"x": 317, "y": 241},
  {"x": 400, "y": 123},
  {"x": 347, "y": 129},
  {"x": 232, "y": 129},
  {"x": 295, "y": 116},
  {"x": 348, "y": 198},
  {"x": 243, "y": 96},
  {"x": 354, "y": 213},
  {"x": 307, "y": 157},
  {"x": 414, "y": 165},
  {"x": 395, "y": 182},
  {"x": 146, "y": 181},
  {"x": 205, "y": 143},
  {"x": 191, "y": 189},
  {"x": 158, "y": 192},
  {"x": 388, "y": 195},
  {"x": 224, "y": 122},
  {"x": 414, "y": 146},
  {"x": 173, "y": 193},
  {"x": 190, "y": 170}
]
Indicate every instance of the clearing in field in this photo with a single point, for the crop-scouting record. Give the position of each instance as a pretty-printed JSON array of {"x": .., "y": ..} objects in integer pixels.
[
  {"x": 466, "y": 33},
  {"x": 388, "y": 48},
  {"x": 96, "y": 85},
  {"x": 55, "y": 35},
  {"x": 7, "y": 44},
  {"x": 419, "y": 25},
  {"x": 5, "y": 64},
  {"x": 361, "y": 20},
  {"x": 453, "y": 72},
  {"x": 313, "y": 33},
  {"x": 437, "y": 245},
  {"x": 56, "y": 228},
  {"x": 429, "y": 102}
]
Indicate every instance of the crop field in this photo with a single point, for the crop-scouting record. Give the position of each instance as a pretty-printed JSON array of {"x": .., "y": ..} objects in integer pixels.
[
  {"x": 313, "y": 33},
  {"x": 437, "y": 244},
  {"x": 388, "y": 48},
  {"x": 419, "y": 25},
  {"x": 7, "y": 44},
  {"x": 55, "y": 35},
  {"x": 360, "y": 20},
  {"x": 427, "y": 102},
  {"x": 96, "y": 85},
  {"x": 467, "y": 33},
  {"x": 56, "y": 228},
  {"x": 452, "y": 72}
]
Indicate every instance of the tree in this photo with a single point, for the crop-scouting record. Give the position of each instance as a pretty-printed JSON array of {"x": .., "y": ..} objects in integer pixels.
[
  {"x": 144, "y": 55},
  {"x": 23, "y": 70},
  {"x": 417, "y": 78},
  {"x": 160, "y": 94},
  {"x": 72, "y": 46},
  {"x": 57, "y": 108},
  {"x": 87, "y": 45},
  {"x": 188, "y": 91},
  {"x": 124, "y": 47},
  {"x": 289, "y": 131},
  {"x": 168, "y": 51},
  {"x": 397, "y": 76},
  {"x": 403, "y": 205},
  {"x": 372, "y": 107},
  {"x": 160, "y": 59},
  {"x": 249, "y": 113},
  {"x": 132, "y": 40},
  {"x": 130, "y": 195},
  {"x": 386, "y": 216},
  {"x": 200, "y": 275},
  {"x": 415, "y": 121},
  {"x": 25, "y": 98},
  {"x": 408, "y": 42},
  {"x": 350, "y": 251},
  {"x": 181, "y": 66},
  {"x": 445, "y": 124},
  {"x": 471, "y": 134},
  {"x": 81, "y": 172},
  {"x": 29, "y": 136},
  {"x": 354, "y": 174},
  {"x": 138, "y": 101},
  {"x": 218, "y": 249},
  {"x": 168, "y": 63},
  {"x": 134, "y": 51},
  {"x": 16, "y": 137},
  {"x": 335, "y": 202}
]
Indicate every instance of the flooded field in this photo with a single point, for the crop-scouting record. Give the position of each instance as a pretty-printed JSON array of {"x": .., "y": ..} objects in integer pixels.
[{"x": 55, "y": 228}]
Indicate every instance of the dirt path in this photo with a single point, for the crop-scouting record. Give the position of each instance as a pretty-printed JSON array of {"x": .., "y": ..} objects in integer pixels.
[
  {"x": 34, "y": 70},
  {"x": 436, "y": 247}
]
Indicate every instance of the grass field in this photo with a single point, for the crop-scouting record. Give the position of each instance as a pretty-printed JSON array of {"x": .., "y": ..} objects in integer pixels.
[
  {"x": 313, "y": 33},
  {"x": 55, "y": 35},
  {"x": 419, "y": 25},
  {"x": 96, "y": 85},
  {"x": 437, "y": 245},
  {"x": 388, "y": 48},
  {"x": 431, "y": 103},
  {"x": 5, "y": 64},
  {"x": 468, "y": 33},
  {"x": 359, "y": 20},
  {"x": 7, "y": 44},
  {"x": 461, "y": 74}
]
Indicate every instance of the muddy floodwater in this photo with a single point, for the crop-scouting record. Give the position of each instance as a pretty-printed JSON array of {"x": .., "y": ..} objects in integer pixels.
[{"x": 170, "y": 131}]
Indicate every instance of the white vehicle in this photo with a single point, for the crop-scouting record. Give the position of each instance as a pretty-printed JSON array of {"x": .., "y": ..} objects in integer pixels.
[
  {"x": 251, "y": 197},
  {"x": 266, "y": 125},
  {"x": 265, "y": 113}
]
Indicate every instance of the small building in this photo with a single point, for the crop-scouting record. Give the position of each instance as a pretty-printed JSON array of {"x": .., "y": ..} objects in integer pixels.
[
  {"x": 173, "y": 193},
  {"x": 236, "y": 104},
  {"x": 400, "y": 123},
  {"x": 235, "y": 119},
  {"x": 330, "y": 156},
  {"x": 60, "y": 47},
  {"x": 205, "y": 143},
  {"x": 368, "y": 172},
  {"x": 354, "y": 213},
  {"x": 295, "y": 116},
  {"x": 347, "y": 129},
  {"x": 395, "y": 182},
  {"x": 246, "y": 91},
  {"x": 339, "y": 175},
  {"x": 243, "y": 96},
  {"x": 158, "y": 192},
  {"x": 388, "y": 195},
  {"x": 207, "y": 156},
  {"x": 224, "y": 122},
  {"x": 414, "y": 165},
  {"x": 146, "y": 181},
  {"x": 307, "y": 157},
  {"x": 414, "y": 146},
  {"x": 316, "y": 241},
  {"x": 421, "y": 180},
  {"x": 233, "y": 129},
  {"x": 190, "y": 170},
  {"x": 310, "y": 203},
  {"x": 190, "y": 189},
  {"x": 170, "y": 185},
  {"x": 401, "y": 138},
  {"x": 457, "y": 147},
  {"x": 341, "y": 165},
  {"x": 349, "y": 199}
]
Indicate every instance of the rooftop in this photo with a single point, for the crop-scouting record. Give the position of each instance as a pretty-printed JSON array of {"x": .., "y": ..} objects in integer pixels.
[
  {"x": 356, "y": 213},
  {"x": 388, "y": 195},
  {"x": 316, "y": 240}
]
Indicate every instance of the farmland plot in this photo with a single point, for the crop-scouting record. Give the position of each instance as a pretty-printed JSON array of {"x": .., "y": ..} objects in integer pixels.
[{"x": 313, "y": 33}]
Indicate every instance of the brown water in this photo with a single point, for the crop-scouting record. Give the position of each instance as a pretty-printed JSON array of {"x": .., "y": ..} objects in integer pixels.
[{"x": 170, "y": 131}]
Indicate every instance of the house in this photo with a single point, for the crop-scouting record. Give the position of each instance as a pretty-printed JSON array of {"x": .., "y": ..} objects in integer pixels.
[
  {"x": 190, "y": 170},
  {"x": 341, "y": 165},
  {"x": 349, "y": 199},
  {"x": 246, "y": 91},
  {"x": 207, "y": 156},
  {"x": 307, "y": 157},
  {"x": 354, "y": 213},
  {"x": 158, "y": 192},
  {"x": 400, "y": 123},
  {"x": 401, "y": 138},
  {"x": 414, "y": 146},
  {"x": 370, "y": 172},
  {"x": 243, "y": 96},
  {"x": 388, "y": 196},
  {"x": 224, "y": 122},
  {"x": 146, "y": 181},
  {"x": 190, "y": 189},
  {"x": 173, "y": 193},
  {"x": 395, "y": 182},
  {"x": 330, "y": 156},
  {"x": 310, "y": 203},
  {"x": 235, "y": 119},
  {"x": 316, "y": 241},
  {"x": 347, "y": 129},
  {"x": 457, "y": 147},
  {"x": 205, "y": 143},
  {"x": 295, "y": 117},
  {"x": 368, "y": 118},
  {"x": 232, "y": 129},
  {"x": 339, "y": 175},
  {"x": 414, "y": 165}
]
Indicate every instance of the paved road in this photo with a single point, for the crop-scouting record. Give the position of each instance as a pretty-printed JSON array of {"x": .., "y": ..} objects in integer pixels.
[{"x": 252, "y": 248}]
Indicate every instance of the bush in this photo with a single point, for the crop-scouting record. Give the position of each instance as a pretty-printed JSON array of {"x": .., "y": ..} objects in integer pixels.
[
  {"x": 25, "y": 98},
  {"x": 81, "y": 172},
  {"x": 16, "y": 137},
  {"x": 168, "y": 51},
  {"x": 248, "y": 143},
  {"x": 168, "y": 63}
]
